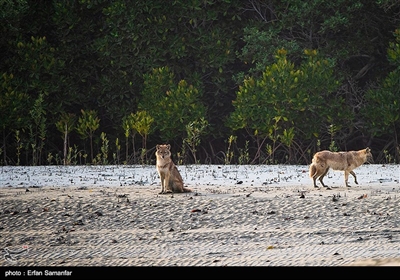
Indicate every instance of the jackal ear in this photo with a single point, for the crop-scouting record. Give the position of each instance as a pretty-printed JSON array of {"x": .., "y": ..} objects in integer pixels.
[
  {"x": 169, "y": 147},
  {"x": 367, "y": 150},
  {"x": 157, "y": 147}
]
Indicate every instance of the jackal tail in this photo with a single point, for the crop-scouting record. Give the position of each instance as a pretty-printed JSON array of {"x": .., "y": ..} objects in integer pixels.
[{"x": 313, "y": 170}]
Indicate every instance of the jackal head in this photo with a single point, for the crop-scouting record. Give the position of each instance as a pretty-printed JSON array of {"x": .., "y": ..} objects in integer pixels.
[
  {"x": 163, "y": 151},
  {"x": 368, "y": 154}
]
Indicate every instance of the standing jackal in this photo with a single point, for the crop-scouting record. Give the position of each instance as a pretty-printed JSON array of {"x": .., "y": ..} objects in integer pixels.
[
  {"x": 171, "y": 179},
  {"x": 345, "y": 161}
]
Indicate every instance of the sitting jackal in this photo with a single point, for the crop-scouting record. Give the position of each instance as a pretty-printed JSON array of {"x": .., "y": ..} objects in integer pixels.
[{"x": 171, "y": 179}]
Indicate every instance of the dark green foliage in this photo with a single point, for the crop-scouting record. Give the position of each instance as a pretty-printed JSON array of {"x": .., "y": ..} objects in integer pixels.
[
  {"x": 289, "y": 103},
  {"x": 382, "y": 106},
  {"x": 158, "y": 67},
  {"x": 172, "y": 106}
]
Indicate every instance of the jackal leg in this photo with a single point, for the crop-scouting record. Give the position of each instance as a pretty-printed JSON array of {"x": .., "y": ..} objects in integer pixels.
[
  {"x": 167, "y": 183},
  {"x": 314, "y": 177},
  {"x": 314, "y": 180},
  {"x": 354, "y": 175},
  {"x": 322, "y": 177},
  {"x": 346, "y": 177},
  {"x": 162, "y": 177},
  {"x": 314, "y": 174}
]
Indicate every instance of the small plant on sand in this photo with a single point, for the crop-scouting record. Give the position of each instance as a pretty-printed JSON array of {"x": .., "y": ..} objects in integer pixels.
[
  {"x": 139, "y": 122},
  {"x": 50, "y": 158},
  {"x": 102, "y": 157},
  {"x": 37, "y": 129},
  {"x": 104, "y": 148},
  {"x": 82, "y": 156},
  {"x": 143, "y": 127},
  {"x": 229, "y": 152},
  {"x": 72, "y": 154},
  {"x": 194, "y": 130},
  {"x": 57, "y": 159},
  {"x": 270, "y": 154},
  {"x": 65, "y": 125},
  {"x": 88, "y": 123},
  {"x": 143, "y": 158},
  {"x": 244, "y": 157},
  {"x": 181, "y": 155},
  {"x": 388, "y": 156},
  {"x": 116, "y": 156},
  {"x": 19, "y": 146},
  {"x": 287, "y": 138}
]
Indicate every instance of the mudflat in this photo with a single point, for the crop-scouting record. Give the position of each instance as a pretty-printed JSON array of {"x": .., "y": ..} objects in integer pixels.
[{"x": 240, "y": 220}]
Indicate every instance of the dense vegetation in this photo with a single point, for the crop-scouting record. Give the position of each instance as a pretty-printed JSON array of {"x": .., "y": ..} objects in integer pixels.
[{"x": 225, "y": 82}]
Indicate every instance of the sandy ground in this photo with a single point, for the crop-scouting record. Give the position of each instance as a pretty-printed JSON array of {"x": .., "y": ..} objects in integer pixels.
[{"x": 215, "y": 225}]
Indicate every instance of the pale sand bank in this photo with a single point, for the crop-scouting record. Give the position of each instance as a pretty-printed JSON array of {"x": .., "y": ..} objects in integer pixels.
[{"x": 217, "y": 225}]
